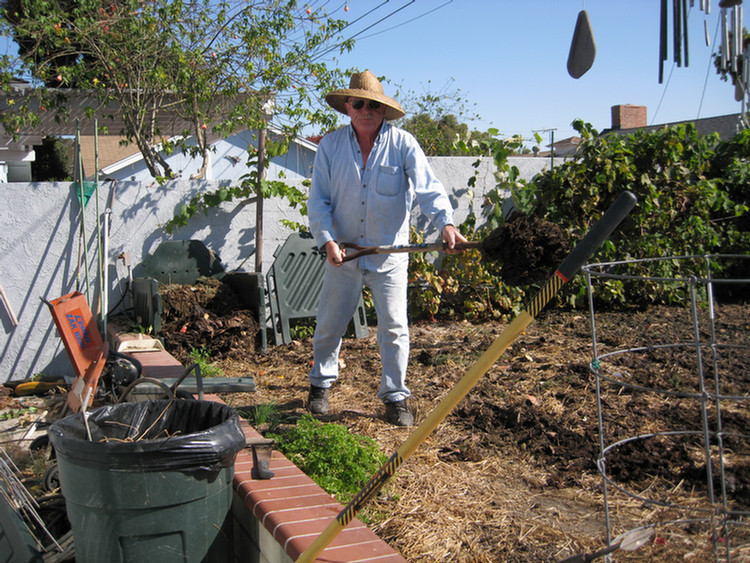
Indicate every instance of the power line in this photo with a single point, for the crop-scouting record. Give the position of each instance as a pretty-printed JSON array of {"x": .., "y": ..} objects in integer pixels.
[
  {"x": 663, "y": 93},
  {"x": 409, "y": 21},
  {"x": 337, "y": 45},
  {"x": 384, "y": 18}
]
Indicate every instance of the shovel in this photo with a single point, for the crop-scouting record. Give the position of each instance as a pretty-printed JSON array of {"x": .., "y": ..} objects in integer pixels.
[
  {"x": 526, "y": 247},
  {"x": 519, "y": 230},
  {"x": 424, "y": 247}
]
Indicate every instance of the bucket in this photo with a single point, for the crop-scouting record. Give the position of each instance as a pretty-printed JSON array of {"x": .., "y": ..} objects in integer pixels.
[{"x": 149, "y": 481}]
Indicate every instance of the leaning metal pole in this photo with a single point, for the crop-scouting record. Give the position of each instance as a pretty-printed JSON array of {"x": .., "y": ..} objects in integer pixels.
[{"x": 703, "y": 386}]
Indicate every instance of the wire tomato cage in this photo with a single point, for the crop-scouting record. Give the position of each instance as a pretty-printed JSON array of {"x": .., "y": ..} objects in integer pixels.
[{"x": 673, "y": 399}]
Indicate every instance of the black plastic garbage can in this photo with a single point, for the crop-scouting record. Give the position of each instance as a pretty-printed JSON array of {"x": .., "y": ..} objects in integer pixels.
[{"x": 149, "y": 481}]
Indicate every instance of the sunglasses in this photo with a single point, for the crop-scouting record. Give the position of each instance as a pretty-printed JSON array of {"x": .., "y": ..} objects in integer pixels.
[{"x": 359, "y": 104}]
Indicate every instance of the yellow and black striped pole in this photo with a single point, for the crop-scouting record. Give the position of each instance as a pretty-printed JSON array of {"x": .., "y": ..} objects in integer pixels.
[{"x": 567, "y": 269}]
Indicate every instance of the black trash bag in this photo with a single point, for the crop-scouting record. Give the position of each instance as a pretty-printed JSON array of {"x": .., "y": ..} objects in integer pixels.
[{"x": 147, "y": 436}]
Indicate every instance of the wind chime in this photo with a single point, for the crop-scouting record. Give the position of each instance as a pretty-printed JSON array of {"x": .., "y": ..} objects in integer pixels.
[
  {"x": 680, "y": 33},
  {"x": 733, "y": 57}
]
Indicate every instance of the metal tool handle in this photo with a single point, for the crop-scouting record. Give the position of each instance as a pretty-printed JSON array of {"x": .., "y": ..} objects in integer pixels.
[
  {"x": 597, "y": 235},
  {"x": 397, "y": 248}
]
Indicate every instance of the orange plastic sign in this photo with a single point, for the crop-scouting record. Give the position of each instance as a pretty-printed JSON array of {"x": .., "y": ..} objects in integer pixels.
[{"x": 83, "y": 342}]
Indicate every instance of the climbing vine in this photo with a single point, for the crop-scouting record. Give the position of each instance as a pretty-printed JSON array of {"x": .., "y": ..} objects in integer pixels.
[{"x": 693, "y": 198}]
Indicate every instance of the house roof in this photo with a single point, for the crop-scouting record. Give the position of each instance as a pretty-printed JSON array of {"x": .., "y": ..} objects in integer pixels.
[
  {"x": 113, "y": 156},
  {"x": 727, "y": 126},
  {"x": 109, "y": 151},
  {"x": 83, "y": 115},
  {"x": 84, "y": 112}
]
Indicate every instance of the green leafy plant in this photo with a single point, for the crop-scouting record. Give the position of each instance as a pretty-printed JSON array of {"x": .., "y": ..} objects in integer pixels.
[
  {"x": 302, "y": 329},
  {"x": 140, "y": 329},
  {"x": 263, "y": 413},
  {"x": 264, "y": 417},
  {"x": 201, "y": 356},
  {"x": 10, "y": 414},
  {"x": 692, "y": 200},
  {"x": 337, "y": 460}
]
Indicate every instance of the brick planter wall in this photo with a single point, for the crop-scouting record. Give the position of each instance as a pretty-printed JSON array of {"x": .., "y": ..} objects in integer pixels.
[{"x": 276, "y": 519}]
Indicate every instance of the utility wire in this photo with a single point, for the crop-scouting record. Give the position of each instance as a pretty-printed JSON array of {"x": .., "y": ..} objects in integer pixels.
[
  {"x": 363, "y": 16},
  {"x": 663, "y": 93},
  {"x": 409, "y": 21},
  {"x": 394, "y": 12},
  {"x": 351, "y": 23}
]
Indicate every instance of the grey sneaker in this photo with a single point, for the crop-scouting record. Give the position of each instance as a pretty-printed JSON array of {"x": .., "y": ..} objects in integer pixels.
[
  {"x": 398, "y": 413},
  {"x": 317, "y": 400}
]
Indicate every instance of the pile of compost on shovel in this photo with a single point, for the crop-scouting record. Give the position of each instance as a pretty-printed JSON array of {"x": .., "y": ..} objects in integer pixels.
[{"x": 527, "y": 248}]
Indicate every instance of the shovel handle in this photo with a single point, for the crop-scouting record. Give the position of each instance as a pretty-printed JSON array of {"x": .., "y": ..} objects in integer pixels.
[{"x": 396, "y": 248}]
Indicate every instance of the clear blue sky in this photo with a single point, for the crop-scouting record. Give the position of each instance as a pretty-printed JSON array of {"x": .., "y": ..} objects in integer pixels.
[{"x": 509, "y": 58}]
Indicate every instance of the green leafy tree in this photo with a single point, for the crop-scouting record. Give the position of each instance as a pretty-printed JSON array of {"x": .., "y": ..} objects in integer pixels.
[
  {"x": 53, "y": 161},
  {"x": 435, "y": 119},
  {"x": 438, "y": 137},
  {"x": 212, "y": 67}
]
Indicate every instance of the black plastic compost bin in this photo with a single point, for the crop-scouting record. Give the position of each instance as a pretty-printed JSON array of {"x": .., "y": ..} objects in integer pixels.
[{"x": 149, "y": 481}]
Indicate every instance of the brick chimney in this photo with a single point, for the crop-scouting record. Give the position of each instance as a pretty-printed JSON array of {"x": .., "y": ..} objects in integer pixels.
[{"x": 628, "y": 116}]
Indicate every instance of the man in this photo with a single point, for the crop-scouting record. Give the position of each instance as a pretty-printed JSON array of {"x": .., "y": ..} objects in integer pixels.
[{"x": 366, "y": 177}]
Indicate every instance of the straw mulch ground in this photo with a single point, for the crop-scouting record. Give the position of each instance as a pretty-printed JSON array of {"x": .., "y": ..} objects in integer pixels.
[{"x": 511, "y": 475}]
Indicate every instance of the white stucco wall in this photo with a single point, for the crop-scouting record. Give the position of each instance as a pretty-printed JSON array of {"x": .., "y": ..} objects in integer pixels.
[{"x": 41, "y": 247}]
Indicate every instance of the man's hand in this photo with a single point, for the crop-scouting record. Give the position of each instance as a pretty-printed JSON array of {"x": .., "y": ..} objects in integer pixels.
[
  {"x": 335, "y": 253},
  {"x": 451, "y": 235}
]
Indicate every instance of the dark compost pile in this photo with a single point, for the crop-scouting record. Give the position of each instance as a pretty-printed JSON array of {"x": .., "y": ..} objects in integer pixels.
[
  {"x": 527, "y": 248},
  {"x": 208, "y": 315}
]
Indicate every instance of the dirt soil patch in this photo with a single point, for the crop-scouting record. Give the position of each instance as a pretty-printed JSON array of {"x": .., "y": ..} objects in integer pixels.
[{"x": 511, "y": 474}]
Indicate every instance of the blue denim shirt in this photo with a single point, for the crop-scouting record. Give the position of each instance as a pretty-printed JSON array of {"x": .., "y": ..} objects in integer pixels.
[{"x": 371, "y": 206}]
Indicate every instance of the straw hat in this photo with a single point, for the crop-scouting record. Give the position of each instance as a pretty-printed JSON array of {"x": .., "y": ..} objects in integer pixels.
[{"x": 365, "y": 85}]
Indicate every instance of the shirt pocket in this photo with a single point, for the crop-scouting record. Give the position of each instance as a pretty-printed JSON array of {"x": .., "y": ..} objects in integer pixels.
[{"x": 390, "y": 180}]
